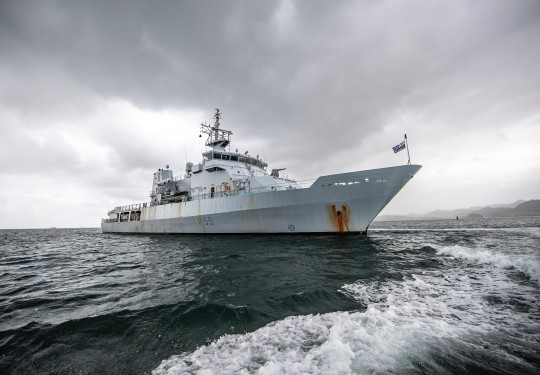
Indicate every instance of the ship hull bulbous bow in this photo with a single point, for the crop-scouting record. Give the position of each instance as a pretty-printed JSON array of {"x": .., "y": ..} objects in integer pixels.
[{"x": 345, "y": 203}]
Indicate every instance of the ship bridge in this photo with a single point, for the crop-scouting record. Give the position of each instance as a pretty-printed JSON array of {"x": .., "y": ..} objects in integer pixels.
[{"x": 231, "y": 156}]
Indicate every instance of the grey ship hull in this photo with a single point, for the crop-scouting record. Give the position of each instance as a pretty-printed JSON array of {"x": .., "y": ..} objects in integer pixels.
[{"x": 345, "y": 202}]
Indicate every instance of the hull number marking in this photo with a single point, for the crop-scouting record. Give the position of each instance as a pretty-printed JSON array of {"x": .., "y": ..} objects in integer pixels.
[{"x": 206, "y": 220}]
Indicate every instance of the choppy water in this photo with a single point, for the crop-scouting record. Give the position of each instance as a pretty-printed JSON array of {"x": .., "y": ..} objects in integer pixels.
[{"x": 426, "y": 297}]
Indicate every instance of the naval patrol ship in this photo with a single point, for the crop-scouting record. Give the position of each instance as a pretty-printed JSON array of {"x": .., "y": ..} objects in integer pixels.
[{"x": 231, "y": 192}]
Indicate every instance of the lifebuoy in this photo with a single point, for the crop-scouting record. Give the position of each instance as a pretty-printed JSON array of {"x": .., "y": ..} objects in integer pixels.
[{"x": 227, "y": 187}]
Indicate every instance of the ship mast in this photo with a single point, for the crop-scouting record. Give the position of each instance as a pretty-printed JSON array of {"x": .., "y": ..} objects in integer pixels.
[{"x": 218, "y": 138}]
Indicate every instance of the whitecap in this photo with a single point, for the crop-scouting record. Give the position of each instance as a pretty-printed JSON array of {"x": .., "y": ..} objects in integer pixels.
[
  {"x": 403, "y": 320},
  {"x": 529, "y": 264},
  {"x": 398, "y": 324}
]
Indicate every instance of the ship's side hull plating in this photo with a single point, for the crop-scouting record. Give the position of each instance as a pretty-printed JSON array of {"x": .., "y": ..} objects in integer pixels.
[{"x": 337, "y": 203}]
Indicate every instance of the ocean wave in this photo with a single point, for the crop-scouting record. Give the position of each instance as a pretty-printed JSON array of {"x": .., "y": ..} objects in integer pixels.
[
  {"x": 405, "y": 324},
  {"x": 301, "y": 344},
  {"x": 221, "y": 312},
  {"x": 525, "y": 263}
]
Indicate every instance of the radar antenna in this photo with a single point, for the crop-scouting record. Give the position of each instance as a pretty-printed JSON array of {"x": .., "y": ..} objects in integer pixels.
[{"x": 218, "y": 138}]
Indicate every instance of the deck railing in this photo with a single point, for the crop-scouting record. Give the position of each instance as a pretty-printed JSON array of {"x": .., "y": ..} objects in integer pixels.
[{"x": 227, "y": 193}]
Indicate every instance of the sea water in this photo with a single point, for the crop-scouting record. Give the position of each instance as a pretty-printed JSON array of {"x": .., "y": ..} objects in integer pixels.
[{"x": 421, "y": 297}]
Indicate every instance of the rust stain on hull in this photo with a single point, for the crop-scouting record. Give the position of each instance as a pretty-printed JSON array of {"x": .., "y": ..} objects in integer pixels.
[
  {"x": 202, "y": 225},
  {"x": 346, "y": 216},
  {"x": 200, "y": 218},
  {"x": 339, "y": 219}
]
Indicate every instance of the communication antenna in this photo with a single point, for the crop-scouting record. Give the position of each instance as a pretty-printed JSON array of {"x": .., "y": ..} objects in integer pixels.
[{"x": 217, "y": 138}]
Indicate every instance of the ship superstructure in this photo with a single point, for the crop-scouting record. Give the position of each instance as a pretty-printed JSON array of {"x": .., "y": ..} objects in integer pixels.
[{"x": 232, "y": 192}]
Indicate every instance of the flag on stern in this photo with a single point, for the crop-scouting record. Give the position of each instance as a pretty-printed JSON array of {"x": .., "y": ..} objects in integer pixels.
[{"x": 399, "y": 147}]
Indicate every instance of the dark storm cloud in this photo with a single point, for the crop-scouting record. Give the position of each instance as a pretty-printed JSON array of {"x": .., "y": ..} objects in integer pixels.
[
  {"x": 156, "y": 54},
  {"x": 307, "y": 65}
]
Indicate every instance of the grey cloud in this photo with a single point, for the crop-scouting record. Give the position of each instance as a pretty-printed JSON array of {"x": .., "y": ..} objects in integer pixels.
[
  {"x": 352, "y": 62},
  {"x": 22, "y": 154}
]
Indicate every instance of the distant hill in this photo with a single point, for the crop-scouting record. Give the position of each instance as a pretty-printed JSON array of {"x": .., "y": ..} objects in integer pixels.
[
  {"x": 529, "y": 206},
  {"x": 518, "y": 208},
  {"x": 511, "y": 205}
]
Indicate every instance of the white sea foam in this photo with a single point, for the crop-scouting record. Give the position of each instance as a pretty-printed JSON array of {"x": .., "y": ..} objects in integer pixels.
[
  {"x": 403, "y": 320},
  {"x": 398, "y": 325},
  {"x": 529, "y": 264}
]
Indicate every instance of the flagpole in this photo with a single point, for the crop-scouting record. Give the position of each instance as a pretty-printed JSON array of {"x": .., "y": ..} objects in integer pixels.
[{"x": 407, "y": 145}]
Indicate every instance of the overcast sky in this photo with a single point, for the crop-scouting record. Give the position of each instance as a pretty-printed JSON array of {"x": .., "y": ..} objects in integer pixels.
[{"x": 96, "y": 95}]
